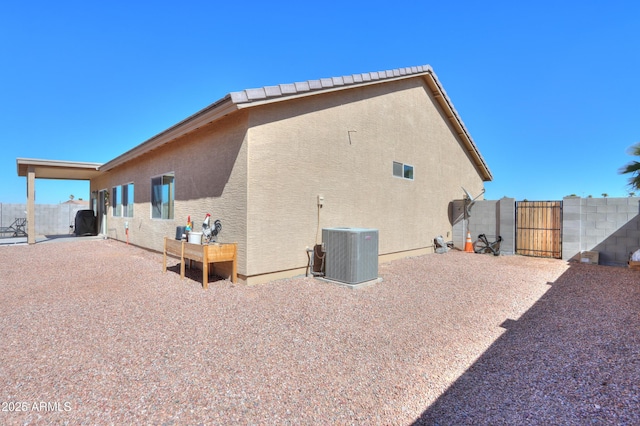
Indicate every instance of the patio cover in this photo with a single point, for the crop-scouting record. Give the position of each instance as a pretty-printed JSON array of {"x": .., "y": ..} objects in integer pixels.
[{"x": 32, "y": 169}]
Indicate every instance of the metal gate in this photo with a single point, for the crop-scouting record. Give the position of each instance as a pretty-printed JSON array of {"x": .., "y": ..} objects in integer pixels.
[{"x": 539, "y": 228}]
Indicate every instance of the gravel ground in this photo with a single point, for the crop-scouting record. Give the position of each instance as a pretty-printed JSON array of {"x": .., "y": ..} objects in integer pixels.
[{"x": 94, "y": 333}]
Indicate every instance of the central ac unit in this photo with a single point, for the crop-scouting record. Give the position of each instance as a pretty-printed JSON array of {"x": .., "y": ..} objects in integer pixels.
[{"x": 351, "y": 254}]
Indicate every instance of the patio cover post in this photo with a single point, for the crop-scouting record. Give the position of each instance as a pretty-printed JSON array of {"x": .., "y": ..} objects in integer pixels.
[{"x": 31, "y": 205}]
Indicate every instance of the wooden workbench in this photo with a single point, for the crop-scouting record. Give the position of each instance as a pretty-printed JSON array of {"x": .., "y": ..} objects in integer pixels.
[{"x": 204, "y": 253}]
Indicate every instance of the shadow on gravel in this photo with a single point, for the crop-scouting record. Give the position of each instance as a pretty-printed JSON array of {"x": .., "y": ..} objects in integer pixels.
[
  {"x": 573, "y": 358},
  {"x": 194, "y": 274}
]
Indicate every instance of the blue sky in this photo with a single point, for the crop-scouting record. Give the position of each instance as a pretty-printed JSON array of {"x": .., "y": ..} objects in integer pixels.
[{"x": 548, "y": 90}]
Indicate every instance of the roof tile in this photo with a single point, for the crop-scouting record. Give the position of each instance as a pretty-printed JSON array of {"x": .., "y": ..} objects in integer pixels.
[
  {"x": 326, "y": 82},
  {"x": 256, "y": 93},
  {"x": 239, "y": 97},
  {"x": 302, "y": 86},
  {"x": 272, "y": 91},
  {"x": 315, "y": 84},
  {"x": 267, "y": 92},
  {"x": 288, "y": 89}
]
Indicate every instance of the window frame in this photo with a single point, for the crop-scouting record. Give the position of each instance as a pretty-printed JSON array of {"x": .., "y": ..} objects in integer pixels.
[
  {"x": 156, "y": 196},
  {"x": 116, "y": 201},
  {"x": 405, "y": 169},
  {"x": 128, "y": 194},
  {"x": 122, "y": 203}
]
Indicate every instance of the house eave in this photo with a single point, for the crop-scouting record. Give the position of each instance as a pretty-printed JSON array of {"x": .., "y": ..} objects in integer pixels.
[
  {"x": 249, "y": 98},
  {"x": 213, "y": 112},
  {"x": 284, "y": 92},
  {"x": 270, "y": 94},
  {"x": 56, "y": 169},
  {"x": 463, "y": 134}
]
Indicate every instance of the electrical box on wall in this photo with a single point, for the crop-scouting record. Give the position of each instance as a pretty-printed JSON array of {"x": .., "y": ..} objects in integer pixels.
[{"x": 320, "y": 200}]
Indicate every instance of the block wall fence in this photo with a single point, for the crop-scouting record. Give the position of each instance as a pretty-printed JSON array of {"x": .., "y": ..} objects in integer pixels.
[
  {"x": 51, "y": 219},
  {"x": 610, "y": 226}
]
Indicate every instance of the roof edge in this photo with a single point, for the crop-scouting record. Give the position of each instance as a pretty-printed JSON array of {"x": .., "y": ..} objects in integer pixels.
[
  {"x": 267, "y": 94},
  {"x": 43, "y": 162},
  {"x": 463, "y": 132},
  {"x": 285, "y": 91},
  {"x": 23, "y": 165},
  {"x": 212, "y": 112}
]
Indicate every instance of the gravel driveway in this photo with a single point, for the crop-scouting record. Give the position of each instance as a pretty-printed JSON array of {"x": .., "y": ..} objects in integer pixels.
[{"x": 94, "y": 333}]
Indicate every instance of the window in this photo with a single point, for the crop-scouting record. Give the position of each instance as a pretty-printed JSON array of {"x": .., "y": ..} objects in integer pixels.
[
  {"x": 127, "y": 200},
  {"x": 116, "y": 201},
  {"x": 408, "y": 172},
  {"x": 162, "y": 196},
  {"x": 402, "y": 170},
  {"x": 122, "y": 200},
  {"x": 397, "y": 169}
]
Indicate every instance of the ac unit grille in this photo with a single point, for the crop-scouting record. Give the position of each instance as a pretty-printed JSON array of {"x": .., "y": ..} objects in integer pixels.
[{"x": 351, "y": 254}]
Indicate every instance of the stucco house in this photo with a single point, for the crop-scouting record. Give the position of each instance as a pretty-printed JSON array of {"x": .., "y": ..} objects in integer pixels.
[{"x": 384, "y": 150}]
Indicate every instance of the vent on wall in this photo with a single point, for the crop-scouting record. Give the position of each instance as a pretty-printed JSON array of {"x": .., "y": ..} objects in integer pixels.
[{"x": 351, "y": 254}]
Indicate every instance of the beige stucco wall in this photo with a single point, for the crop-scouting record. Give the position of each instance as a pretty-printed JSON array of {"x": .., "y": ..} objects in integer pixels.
[
  {"x": 210, "y": 177},
  {"x": 261, "y": 169},
  {"x": 342, "y": 146}
]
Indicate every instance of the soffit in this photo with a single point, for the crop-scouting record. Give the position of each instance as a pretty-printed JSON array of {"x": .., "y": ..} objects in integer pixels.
[
  {"x": 445, "y": 103},
  {"x": 259, "y": 96},
  {"x": 204, "y": 117},
  {"x": 53, "y": 169}
]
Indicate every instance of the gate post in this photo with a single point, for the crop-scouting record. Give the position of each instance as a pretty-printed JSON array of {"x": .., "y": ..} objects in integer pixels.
[
  {"x": 31, "y": 205},
  {"x": 507, "y": 224},
  {"x": 572, "y": 219}
]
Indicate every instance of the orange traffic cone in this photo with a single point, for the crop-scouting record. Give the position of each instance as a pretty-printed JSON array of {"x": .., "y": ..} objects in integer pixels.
[{"x": 468, "y": 246}]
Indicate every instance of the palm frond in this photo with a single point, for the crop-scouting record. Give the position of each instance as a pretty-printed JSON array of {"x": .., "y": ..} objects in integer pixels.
[
  {"x": 634, "y": 150},
  {"x": 633, "y": 167}
]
